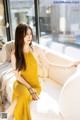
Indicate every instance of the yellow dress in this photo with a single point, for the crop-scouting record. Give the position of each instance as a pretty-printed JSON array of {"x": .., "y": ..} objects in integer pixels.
[{"x": 22, "y": 110}]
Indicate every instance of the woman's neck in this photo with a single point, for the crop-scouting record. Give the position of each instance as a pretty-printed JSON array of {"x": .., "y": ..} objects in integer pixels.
[{"x": 26, "y": 48}]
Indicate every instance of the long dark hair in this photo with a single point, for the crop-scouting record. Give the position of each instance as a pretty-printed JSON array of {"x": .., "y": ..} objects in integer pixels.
[{"x": 20, "y": 33}]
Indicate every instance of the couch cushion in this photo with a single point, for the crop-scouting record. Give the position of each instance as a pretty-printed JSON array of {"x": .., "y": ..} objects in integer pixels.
[{"x": 46, "y": 108}]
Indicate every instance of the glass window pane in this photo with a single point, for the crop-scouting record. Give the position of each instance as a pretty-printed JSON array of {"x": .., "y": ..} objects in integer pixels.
[
  {"x": 48, "y": 22},
  {"x": 22, "y": 11},
  {"x": 59, "y": 23}
]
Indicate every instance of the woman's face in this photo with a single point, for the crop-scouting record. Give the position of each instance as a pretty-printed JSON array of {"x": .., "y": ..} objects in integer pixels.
[{"x": 28, "y": 37}]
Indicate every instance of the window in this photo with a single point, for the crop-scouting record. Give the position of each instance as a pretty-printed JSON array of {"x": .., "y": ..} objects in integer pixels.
[
  {"x": 22, "y": 11},
  {"x": 59, "y": 23}
]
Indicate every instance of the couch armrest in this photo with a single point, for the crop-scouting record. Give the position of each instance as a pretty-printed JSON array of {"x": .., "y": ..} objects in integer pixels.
[{"x": 69, "y": 102}]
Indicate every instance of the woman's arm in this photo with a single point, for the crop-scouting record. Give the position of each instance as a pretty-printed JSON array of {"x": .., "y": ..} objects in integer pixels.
[
  {"x": 49, "y": 64},
  {"x": 74, "y": 64}
]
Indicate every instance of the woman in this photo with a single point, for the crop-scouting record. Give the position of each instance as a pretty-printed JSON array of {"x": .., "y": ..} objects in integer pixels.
[{"x": 25, "y": 61}]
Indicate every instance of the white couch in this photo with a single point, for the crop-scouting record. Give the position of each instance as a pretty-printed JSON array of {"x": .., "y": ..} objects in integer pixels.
[{"x": 59, "y": 99}]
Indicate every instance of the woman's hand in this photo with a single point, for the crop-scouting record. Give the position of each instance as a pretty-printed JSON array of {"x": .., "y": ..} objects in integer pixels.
[
  {"x": 74, "y": 64},
  {"x": 33, "y": 93}
]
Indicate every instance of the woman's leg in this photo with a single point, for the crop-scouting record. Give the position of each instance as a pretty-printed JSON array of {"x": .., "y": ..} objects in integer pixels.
[
  {"x": 22, "y": 110},
  {"x": 10, "y": 110}
]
